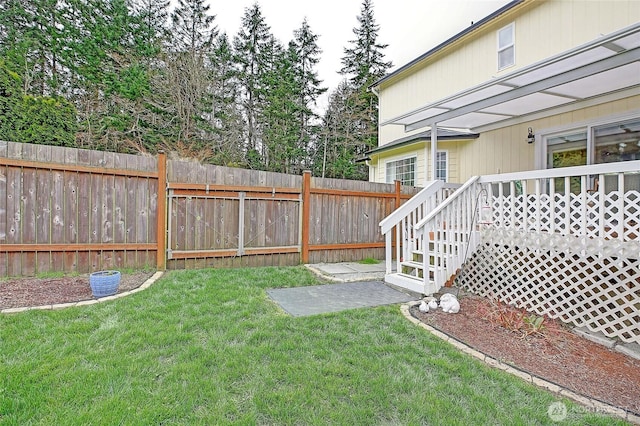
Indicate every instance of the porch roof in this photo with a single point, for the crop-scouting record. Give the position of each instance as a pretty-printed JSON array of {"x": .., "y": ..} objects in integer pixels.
[
  {"x": 443, "y": 135},
  {"x": 607, "y": 65}
]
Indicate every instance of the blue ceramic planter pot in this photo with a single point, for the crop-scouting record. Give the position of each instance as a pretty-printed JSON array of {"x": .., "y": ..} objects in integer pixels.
[{"x": 104, "y": 283}]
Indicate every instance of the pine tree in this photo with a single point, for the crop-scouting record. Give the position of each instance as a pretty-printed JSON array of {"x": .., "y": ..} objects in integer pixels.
[
  {"x": 341, "y": 137},
  {"x": 192, "y": 27},
  {"x": 279, "y": 117},
  {"x": 307, "y": 56},
  {"x": 29, "y": 42},
  {"x": 252, "y": 46},
  {"x": 193, "y": 33},
  {"x": 152, "y": 33},
  {"x": 225, "y": 116},
  {"x": 363, "y": 64}
]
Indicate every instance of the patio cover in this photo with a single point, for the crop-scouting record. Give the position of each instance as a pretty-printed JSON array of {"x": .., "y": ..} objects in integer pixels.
[{"x": 608, "y": 66}]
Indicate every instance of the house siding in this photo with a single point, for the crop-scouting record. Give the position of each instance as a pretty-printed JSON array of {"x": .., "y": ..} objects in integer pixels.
[
  {"x": 505, "y": 150},
  {"x": 542, "y": 29},
  {"x": 422, "y": 152}
]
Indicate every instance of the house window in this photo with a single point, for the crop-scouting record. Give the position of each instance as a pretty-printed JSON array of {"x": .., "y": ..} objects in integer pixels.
[
  {"x": 442, "y": 166},
  {"x": 403, "y": 170},
  {"x": 506, "y": 47},
  {"x": 606, "y": 143},
  {"x": 616, "y": 142},
  {"x": 567, "y": 150}
]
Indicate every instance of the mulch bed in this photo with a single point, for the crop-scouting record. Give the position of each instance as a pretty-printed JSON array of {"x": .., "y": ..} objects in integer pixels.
[
  {"x": 31, "y": 291},
  {"x": 554, "y": 353}
]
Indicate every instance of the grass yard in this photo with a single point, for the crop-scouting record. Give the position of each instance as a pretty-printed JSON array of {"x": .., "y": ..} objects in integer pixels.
[{"x": 209, "y": 347}]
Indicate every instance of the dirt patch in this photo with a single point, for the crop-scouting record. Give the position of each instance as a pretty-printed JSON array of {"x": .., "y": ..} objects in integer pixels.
[
  {"x": 30, "y": 291},
  {"x": 550, "y": 351}
]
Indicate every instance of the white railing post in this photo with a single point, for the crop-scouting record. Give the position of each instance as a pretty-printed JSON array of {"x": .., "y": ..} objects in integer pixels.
[
  {"x": 388, "y": 260},
  {"x": 620, "y": 205}
]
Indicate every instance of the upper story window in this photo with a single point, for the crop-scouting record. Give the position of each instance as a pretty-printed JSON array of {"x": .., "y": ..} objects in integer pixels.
[
  {"x": 402, "y": 170},
  {"x": 506, "y": 46}
]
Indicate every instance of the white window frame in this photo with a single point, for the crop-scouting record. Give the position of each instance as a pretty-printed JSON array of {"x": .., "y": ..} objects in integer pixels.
[
  {"x": 587, "y": 127},
  {"x": 398, "y": 160},
  {"x": 446, "y": 164},
  {"x": 512, "y": 45}
]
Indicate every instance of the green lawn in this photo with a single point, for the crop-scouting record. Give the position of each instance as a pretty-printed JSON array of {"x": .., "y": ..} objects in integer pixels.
[{"x": 209, "y": 347}]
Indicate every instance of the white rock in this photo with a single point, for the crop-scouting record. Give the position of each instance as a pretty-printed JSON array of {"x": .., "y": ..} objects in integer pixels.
[
  {"x": 424, "y": 307},
  {"x": 449, "y": 303}
]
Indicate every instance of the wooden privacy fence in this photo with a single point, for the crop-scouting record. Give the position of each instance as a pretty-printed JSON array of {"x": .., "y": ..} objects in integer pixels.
[{"x": 74, "y": 210}]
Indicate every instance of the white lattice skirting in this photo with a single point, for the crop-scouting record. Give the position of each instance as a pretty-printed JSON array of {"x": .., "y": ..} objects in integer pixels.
[{"x": 587, "y": 282}]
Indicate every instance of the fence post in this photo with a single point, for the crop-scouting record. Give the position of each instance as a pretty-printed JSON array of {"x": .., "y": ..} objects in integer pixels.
[
  {"x": 398, "y": 192},
  {"x": 161, "y": 229},
  {"x": 306, "y": 196}
]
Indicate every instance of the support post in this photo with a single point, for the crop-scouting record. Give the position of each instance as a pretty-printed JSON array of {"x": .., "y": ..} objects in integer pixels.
[
  {"x": 434, "y": 150},
  {"x": 395, "y": 242},
  {"x": 306, "y": 197},
  {"x": 241, "y": 198},
  {"x": 161, "y": 229}
]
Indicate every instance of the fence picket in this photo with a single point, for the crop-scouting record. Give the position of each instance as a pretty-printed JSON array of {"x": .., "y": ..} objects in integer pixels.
[{"x": 78, "y": 210}]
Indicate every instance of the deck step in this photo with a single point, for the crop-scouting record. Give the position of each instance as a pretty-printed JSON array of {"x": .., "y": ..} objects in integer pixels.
[
  {"x": 408, "y": 282},
  {"x": 412, "y": 264},
  {"x": 416, "y": 269},
  {"x": 411, "y": 283}
]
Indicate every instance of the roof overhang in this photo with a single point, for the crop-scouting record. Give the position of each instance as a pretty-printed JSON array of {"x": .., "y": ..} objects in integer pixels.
[
  {"x": 608, "y": 65},
  {"x": 443, "y": 135}
]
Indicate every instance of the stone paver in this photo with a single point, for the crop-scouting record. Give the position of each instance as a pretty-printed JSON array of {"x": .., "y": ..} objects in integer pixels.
[
  {"x": 319, "y": 299},
  {"x": 349, "y": 271}
]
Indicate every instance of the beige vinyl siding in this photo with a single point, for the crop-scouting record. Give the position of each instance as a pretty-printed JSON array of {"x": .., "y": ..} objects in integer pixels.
[
  {"x": 380, "y": 161},
  {"x": 557, "y": 26},
  {"x": 422, "y": 152},
  {"x": 506, "y": 150},
  {"x": 444, "y": 77},
  {"x": 542, "y": 29},
  {"x": 451, "y": 147}
]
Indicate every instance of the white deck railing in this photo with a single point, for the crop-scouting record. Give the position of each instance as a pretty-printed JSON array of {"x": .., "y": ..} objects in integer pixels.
[
  {"x": 562, "y": 242},
  {"x": 448, "y": 233},
  {"x": 399, "y": 226},
  {"x": 599, "y": 201}
]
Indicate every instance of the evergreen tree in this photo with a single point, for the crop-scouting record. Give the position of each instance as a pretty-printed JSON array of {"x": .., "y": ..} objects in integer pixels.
[
  {"x": 363, "y": 64},
  {"x": 307, "y": 55},
  {"x": 30, "y": 32},
  {"x": 225, "y": 117},
  {"x": 192, "y": 27},
  {"x": 149, "y": 124},
  {"x": 33, "y": 119},
  {"x": 193, "y": 33},
  {"x": 280, "y": 116},
  {"x": 341, "y": 137},
  {"x": 252, "y": 46},
  {"x": 151, "y": 18}
]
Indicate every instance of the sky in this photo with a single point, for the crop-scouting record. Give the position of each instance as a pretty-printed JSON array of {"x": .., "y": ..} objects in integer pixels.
[{"x": 409, "y": 27}]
